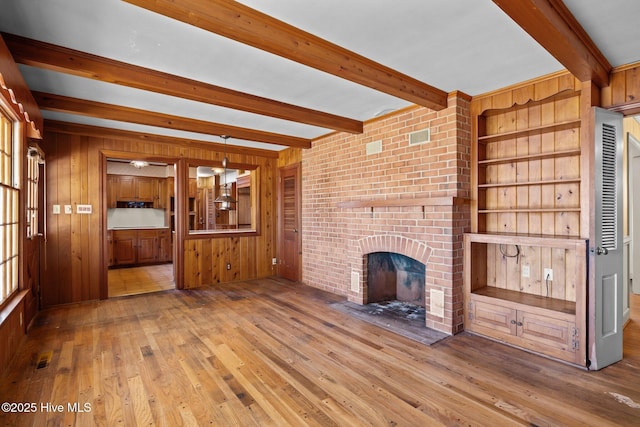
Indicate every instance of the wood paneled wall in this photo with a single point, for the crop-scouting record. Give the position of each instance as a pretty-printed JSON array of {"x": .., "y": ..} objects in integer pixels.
[
  {"x": 72, "y": 269},
  {"x": 289, "y": 156},
  {"x": 12, "y": 330},
  {"x": 504, "y": 270},
  {"x": 623, "y": 90}
]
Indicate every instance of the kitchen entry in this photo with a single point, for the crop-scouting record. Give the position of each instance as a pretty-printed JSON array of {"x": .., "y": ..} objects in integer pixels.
[{"x": 140, "y": 226}]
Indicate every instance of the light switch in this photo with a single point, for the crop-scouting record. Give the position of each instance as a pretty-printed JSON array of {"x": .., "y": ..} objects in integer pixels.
[
  {"x": 56, "y": 209},
  {"x": 68, "y": 210}
]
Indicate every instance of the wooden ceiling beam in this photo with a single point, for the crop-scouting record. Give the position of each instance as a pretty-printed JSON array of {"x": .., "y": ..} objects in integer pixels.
[
  {"x": 238, "y": 22},
  {"x": 57, "y": 58},
  {"x": 57, "y": 126},
  {"x": 101, "y": 110},
  {"x": 552, "y": 25}
]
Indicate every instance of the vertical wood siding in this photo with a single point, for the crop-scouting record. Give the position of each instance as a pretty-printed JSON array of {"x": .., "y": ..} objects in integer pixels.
[{"x": 72, "y": 270}]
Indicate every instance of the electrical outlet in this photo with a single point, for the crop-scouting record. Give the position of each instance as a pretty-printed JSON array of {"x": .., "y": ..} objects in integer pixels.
[
  {"x": 228, "y": 266},
  {"x": 548, "y": 274},
  {"x": 68, "y": 210},
  {"x": 274, "y": 261},
  {"x": 526, "y": 271}
]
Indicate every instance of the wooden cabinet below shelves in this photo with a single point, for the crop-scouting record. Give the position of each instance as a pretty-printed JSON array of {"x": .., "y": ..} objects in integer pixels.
[
  {"x": 544, "y": 331},
  {"x": 142, "y": 246},
  {"x": 508, "y": 298}
]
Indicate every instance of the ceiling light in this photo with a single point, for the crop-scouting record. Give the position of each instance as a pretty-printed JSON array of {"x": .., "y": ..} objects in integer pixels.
[{"x": 139, "y": 164}]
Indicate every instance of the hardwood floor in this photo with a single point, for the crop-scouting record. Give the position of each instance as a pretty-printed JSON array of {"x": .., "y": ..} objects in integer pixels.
[
  {"x": 140, "y": 280},
  {"x": 271, "y": 353}
]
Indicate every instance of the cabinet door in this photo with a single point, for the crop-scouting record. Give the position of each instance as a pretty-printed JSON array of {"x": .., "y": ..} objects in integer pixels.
[
  {"x": 545, "y": 331},
  {"x": 493, "y": 318},
  {"x": 147, "y": 246},
  {"x": 110, "y": 248},
  {"x": 193, "y": 187},
  {"x": 124, "y": 247},
  {"x": 162, "y": 199},
  {"x": 112, "y": 190},
  {"x": 165, "y": 251},
  {"x": 147, "y": 189},
  {"x": 126, "y": 188}
]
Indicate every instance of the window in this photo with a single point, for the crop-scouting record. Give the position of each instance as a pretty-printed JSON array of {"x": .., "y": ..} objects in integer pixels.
[
  {"x": 210, "y": 186},
  {"x": 34, "y": 160},
  {"x": 9, "y": 191}
]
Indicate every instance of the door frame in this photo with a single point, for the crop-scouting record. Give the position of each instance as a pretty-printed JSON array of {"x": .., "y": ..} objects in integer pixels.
[{"x": 180, "y": 189}]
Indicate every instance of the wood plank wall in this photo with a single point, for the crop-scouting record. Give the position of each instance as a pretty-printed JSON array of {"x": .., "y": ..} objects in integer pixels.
[
  {"x": 289, "y": 156},
  {"x": 623, "y": 90},
  {"x": 72, "y": 260},
  {"x": 12, "y": 331},
  {"x": 631, "y": 127}
]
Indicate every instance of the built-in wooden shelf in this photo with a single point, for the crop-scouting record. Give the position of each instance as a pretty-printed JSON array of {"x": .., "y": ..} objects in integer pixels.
[
  {"x": 427, "y": 201},
  {"x": 529, "y": 131},
  {"x": 529, "y": 157},
  {"x": 529, "y": 300},
  {"x": 527, "y": 183},
  {"x": 527, "y": 239},
  {"x": 528, "y": 210},
  {"x": 525, "y": 148}
]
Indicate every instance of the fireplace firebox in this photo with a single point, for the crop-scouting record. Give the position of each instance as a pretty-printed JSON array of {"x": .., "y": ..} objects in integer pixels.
[{"x": 392, "y": 276}]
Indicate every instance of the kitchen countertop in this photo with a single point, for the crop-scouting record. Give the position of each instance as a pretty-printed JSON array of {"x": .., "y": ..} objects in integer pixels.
[{"x": 140, "y": 228}]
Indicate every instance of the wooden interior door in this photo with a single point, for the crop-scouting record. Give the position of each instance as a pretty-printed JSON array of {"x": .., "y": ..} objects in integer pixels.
[
  {"x": 607, "y": 248},
  {"x": 290, "y": 247}
]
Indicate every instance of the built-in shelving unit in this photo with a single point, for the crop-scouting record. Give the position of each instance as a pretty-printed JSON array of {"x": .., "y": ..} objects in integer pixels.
[{"x": 524, "y": 262}]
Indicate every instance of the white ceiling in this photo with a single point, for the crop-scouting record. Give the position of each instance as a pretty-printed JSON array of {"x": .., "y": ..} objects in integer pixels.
[{"x": 467, "y": 45}]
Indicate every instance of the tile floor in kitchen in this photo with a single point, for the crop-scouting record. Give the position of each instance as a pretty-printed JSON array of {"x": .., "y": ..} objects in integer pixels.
[{"x": 140, "y": 280}]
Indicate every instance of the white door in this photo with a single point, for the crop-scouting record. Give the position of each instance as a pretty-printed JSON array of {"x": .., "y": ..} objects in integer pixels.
[{"x": 606, "y": 250}]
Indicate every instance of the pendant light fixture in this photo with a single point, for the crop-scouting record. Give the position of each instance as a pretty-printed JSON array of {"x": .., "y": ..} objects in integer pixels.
[{"x": 224, "y": 200}]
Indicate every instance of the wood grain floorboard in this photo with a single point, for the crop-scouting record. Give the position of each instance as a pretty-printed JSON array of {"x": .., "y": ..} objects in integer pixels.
[{"x": 272, "y": 353}]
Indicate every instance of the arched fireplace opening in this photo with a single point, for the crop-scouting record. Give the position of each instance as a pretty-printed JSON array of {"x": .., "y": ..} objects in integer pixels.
[{"x": 395, "y": 277}]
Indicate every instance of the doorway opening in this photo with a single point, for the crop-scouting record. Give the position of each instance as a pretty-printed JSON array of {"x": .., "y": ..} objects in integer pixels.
[{"x": 140, "y": 220}]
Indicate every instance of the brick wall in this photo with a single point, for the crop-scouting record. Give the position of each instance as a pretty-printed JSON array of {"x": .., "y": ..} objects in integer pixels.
[{"x": 337, "y": 169}]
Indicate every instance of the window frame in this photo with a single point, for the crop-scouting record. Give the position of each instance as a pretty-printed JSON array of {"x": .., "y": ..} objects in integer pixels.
[
  {"x": 33, "y": 217},
  {"x": 11, "y": 198},
  {"x": 255, "y": 171}
]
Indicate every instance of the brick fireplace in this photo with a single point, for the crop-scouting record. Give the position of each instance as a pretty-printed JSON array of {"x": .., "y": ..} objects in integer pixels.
[{"x": 403, "y": 198}]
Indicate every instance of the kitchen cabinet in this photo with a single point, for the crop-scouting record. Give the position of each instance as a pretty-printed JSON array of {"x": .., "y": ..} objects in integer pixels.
[
  {"x": 109, "y": 248},
  {"x": 141, "y": 246},
  {"x": 165, "y": 247},
  {"x": 147, "y": 249},
  {"x": 125, "y": 244},
  {"x": 125, "y": 188},
  {"x": 193, "y": 187}
]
